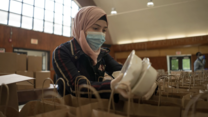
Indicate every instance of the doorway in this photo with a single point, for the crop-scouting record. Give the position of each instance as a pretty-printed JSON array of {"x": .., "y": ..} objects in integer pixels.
[
  {"x": 179, "y": 63},
  {"x": 44, "y": 54}
]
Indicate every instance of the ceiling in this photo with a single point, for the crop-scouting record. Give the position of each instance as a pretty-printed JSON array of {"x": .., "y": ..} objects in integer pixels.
[{"x": 168, "y": 19}]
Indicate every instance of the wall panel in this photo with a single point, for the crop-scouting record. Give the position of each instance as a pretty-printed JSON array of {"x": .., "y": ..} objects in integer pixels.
[
  {"x": 122, "y": 55},
  {"x": 170, "y": 43},
  {"x": 203, "y": 49},
  {"x": 148, "y": 53},
  {"x": 21, "y": 38}
]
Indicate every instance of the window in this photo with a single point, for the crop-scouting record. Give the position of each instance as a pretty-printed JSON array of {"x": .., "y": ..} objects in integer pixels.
[
  {"x": 15, "y": 7},
  {"x": 186, "y": 64},
  {"x": 49, "y": 5},
  {"x": 38, "y": 25},
  {"x": 26, "y": 22},
  {"x": 27, "y": 10},
  {"x": 14, "y": 20},
  {"x": 4, "y": 5},
  {"x": 75, "y": 9},
  {"x": 39, "y": 3},
  {"x": 38, "y": 13},
  {"x": 179, "y": 62},
  {"x": 174, "y": 64},
  {"x": 3, "y": 17},
  {"x": 48, "y": 27},
  {"x": 30, "y": 2},
  {"x": 49, "y": 16}
]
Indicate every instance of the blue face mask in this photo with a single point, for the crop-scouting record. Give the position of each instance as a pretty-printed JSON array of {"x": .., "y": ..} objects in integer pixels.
[
  {"x": 95, "y": 40},
  {"x": 201, "y": 57}
]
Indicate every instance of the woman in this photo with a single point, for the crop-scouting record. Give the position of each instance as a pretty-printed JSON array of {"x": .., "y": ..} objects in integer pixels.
[{"x": 83, "y": 54}]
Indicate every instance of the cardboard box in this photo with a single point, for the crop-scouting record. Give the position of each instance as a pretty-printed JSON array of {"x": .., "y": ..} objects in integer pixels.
[
  {"x": 8, "y": 62},
  {"x": 27, "y": 73},
  {"x": 10, "y": 81},
  {"x": 34, "y": 63},
  {"x": 25, "y": 85},
  {"x": 21, "y": 62},
  {"x": 40, "y": 77}
]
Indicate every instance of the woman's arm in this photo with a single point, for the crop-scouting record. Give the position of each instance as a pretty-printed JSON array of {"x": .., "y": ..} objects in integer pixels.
[{"x": 64, "y": 67}]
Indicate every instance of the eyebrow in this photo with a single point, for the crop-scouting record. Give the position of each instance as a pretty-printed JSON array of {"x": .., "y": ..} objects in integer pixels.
[{"x": 100, "y": 26}]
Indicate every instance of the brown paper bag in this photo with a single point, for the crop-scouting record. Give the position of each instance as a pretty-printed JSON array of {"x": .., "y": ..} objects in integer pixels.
[
  {"x": 33, "y": 108},
  {"x": 165, "y": 101},
  {"x": 13, "y": 98},
  {"x": 75, "y": 104},
  {"x": 71, "y": 100},
  {"x": 150, "y": 110},
  {"x": 198, "y": 110},
  {"x": 113, "y": 113},
  {"x": 158, "y": 111},
  {"x": 56, "y": 113},
  {"x": 10, "y": 111},
  {"x": 197, "y": 114},
  {"x": 2, "y": 115},
  {"x": 7, "y": 110}
]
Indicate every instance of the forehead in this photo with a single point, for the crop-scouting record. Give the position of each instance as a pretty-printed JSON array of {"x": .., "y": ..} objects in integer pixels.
[{"x": 102, "y": 23}]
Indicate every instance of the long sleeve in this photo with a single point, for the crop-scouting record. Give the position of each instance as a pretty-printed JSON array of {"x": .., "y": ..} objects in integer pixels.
[
  {"x": 196, "y": 65},
  {"x": 65, "y": 68},
  {"x": 111, "y": 65},
  {"x": 204, "y": 62}
]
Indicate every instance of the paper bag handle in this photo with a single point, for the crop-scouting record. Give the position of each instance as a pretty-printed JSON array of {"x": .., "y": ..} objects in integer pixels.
[
  {"x": 160, "y": 91},
  {"x": 50, "y": 94},
  {"x": 64, "y": 90},
  {"x": 129, "y": 99},
  {"x": 100, "y": 78},
  {"x": 77, "y": 83},
  {"x": 44, "y": 83},
  {"x": 7, "y": 99},
  {"x": 94, "y": 92},
  {"x": 193, "y": 103}
]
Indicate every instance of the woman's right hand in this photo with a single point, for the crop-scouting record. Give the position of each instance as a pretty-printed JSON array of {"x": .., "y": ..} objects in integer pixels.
[
  {"x": 121, "y": 91},
  {"x": 115, "y": 81}
]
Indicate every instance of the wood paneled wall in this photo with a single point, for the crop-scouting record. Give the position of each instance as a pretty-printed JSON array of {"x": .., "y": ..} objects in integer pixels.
[
  {"x": 157, "y": 62},
  {"x": 158, "y": 50},
  {"x": 21, "y": 38},
  {"x": 170, "y": 43}
]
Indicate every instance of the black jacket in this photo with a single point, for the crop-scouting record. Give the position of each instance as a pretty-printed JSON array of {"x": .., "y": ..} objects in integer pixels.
[{"x": 69, "y": 61}]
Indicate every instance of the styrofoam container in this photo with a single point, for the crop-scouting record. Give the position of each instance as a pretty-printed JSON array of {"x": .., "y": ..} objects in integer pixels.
[
  {"x": 147, "y": 79},
  {"x": 131, "y": 70}
]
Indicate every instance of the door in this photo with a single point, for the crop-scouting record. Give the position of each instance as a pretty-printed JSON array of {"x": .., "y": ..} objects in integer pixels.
[{"x": 180, "y": 63}]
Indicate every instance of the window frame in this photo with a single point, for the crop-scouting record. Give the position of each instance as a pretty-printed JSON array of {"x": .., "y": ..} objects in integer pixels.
[{"x": 44, "y": 9}]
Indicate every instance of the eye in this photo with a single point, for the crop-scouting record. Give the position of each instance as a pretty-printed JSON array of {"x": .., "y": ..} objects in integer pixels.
[
  {"x": 104, "y": 31},
  {"x": 95, "y": 28}
]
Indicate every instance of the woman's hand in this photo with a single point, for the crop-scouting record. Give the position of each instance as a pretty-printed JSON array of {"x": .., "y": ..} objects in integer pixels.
[
  {"x": 115, "y": 81},
  {"x": 122, "y": 88},
  {"x": 107, "y": 77}
]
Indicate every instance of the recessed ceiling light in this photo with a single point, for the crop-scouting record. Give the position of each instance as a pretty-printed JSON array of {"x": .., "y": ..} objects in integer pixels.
[
  {"x": 113, "y": 11},
  {"x": 150, "y": 3}
]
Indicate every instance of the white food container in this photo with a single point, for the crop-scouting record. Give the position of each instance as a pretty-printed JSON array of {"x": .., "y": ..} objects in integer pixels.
[
  {"x": 146, "y": 80},
  {"x": 131, "y": 70}
]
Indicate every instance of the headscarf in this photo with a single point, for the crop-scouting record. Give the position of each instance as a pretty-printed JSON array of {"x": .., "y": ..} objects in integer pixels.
[{"x": 84, "y": 19}]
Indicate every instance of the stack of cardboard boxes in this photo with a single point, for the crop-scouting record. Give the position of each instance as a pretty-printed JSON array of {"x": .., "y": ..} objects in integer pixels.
[{"x": 30, "y": 66}]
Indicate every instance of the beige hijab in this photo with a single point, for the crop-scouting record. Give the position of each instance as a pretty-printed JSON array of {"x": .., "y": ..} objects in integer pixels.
[{"x": 84, "y": 19}]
